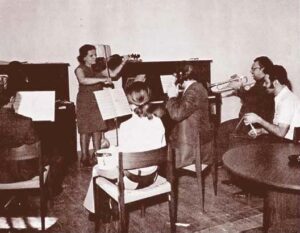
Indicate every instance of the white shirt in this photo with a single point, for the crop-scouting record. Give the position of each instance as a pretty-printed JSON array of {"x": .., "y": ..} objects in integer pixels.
[
  {"x": 141, "y": 134},
  {"x": 287, "y": 111},
  {"x": 135, "y": 135}
]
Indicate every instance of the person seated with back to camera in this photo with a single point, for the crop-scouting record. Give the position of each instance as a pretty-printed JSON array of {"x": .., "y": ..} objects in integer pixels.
[
  {"x": 142, "y": 132},
  {"x": 287, "y": 108},
  {"x": 15, "y": 131}
]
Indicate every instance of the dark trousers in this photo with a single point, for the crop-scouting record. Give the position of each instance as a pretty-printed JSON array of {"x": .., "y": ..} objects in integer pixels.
[{"x": 223, "y": 137}]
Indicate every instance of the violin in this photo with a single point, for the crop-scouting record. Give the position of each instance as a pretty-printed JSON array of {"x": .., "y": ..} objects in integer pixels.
[{"x": 113, "y": 61}]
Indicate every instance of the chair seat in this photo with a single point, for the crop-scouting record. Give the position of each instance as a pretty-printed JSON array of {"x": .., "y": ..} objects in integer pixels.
[
  {"x": 192, "y": 167},
  {"x": 27, "y": 184},
  {"x": 160, "y": 186}
]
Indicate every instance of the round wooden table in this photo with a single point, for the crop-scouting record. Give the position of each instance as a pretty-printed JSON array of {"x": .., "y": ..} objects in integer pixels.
[{"x": 268, "y": 165}]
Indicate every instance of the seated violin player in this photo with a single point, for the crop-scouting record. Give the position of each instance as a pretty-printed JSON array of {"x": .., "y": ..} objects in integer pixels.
[{"x": 142, "y": 132}]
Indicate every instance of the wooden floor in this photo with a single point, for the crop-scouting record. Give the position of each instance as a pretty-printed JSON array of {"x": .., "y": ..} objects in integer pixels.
[{"x": 223, "y": 212}]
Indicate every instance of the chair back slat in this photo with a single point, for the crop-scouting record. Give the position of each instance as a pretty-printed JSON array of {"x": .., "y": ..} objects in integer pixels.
[
  {"x": 25, "y": 152},
  {"x": 144, "y": 159},
  {"x": 135, "y": 160}
]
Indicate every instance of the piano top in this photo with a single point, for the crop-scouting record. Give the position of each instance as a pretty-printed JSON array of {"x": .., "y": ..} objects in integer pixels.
[{"x": 159, "y": 67}]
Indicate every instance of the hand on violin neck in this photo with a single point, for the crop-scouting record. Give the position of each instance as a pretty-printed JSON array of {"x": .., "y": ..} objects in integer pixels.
[{"x": 108, "y": 81}]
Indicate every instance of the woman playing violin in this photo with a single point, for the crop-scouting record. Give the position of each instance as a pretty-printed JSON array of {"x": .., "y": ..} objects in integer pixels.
[{"x": 89, "y": 119}]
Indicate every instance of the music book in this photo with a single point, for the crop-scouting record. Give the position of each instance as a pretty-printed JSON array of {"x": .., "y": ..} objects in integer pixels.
[
  {"x": 167, "y": 81},
  {"x": 38, "y": 105},
  {"x": 112, "y": 103}
]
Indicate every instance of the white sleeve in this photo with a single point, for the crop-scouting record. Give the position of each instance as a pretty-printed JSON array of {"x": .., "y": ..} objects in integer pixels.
[
  {"x": 123, "y": 134},
  {"x": 285, "y": 112}
]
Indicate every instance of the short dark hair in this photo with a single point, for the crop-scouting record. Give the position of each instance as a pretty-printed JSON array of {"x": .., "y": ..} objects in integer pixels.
[
  {"x": 265, "y": 63},
  {"x": 83, "y": 51},
  {"x": 279, "y": 73}
]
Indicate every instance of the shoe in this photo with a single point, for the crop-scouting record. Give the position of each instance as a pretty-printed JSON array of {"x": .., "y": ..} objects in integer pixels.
[{"x": 93, "y": 160}]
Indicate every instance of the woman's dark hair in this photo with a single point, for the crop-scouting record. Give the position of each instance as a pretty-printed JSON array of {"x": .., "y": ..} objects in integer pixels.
[
  {"x": 83, "y": 51},
  {"x": 139, "y": 94}
]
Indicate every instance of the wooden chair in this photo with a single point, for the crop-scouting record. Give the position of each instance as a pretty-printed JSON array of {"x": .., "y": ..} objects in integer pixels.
[
  {"x": 36, "y": 183},
  {"x": 117, "y": 192},
  {"x": 199, "y": 168}
]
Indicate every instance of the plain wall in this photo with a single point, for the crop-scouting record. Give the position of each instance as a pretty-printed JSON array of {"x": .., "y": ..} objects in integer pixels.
[{"x": 231, "y": 33}]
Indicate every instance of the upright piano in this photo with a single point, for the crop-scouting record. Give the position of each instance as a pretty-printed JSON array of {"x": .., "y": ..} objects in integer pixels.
[{"x": 58, "y": 138}]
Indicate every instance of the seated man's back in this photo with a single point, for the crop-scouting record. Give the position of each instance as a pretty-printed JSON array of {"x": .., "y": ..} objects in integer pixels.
[{"x": 15, "y": 131}]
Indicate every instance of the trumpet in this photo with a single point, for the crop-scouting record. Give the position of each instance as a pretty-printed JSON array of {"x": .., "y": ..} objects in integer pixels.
[{"x": 225, "y": 86}]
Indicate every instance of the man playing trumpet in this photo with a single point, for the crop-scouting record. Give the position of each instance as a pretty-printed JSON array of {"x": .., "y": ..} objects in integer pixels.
[{"x": 256, "y": 100}]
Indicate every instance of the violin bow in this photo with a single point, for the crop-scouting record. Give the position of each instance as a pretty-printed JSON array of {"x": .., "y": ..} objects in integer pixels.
[{"x": 106, "y": 57}]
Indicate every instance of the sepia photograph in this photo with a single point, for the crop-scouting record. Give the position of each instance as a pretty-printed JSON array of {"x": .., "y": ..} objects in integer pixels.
[{"x": 150, "y": 116}]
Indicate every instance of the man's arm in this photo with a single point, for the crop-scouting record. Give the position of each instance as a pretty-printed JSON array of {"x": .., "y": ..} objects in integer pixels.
[
  {"x": 279, "y": 130},
  {"x": 181, "y": 108}
]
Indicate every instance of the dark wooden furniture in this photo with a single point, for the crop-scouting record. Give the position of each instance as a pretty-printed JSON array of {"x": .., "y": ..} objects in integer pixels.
[
  {"x": 162, "y": 157},
  {"x": 268, "y": 165},
  {"x": 58, "y": 136},
  {"x": 41, "y": 77}
]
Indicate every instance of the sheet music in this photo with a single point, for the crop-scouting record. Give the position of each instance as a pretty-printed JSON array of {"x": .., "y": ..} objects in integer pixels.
[
  {"x": 103, "y": 50},
  {"x": 112, "y": 103},
  {"x": 38, "y": 105},
  {"x": 167, "y": 81}
]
